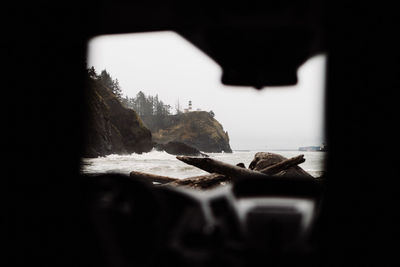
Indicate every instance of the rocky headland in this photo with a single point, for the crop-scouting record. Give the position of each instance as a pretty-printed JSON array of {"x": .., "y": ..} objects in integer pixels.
[
  {"x": 110, "y": 127},
  {"x": 113, "y": 128},
  {"x": 197, "y": 129}
]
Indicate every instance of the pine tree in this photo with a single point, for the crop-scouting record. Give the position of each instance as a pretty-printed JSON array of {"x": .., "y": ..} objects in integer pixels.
[
  {"x": 116, "y": 89},
  {"x": 140, "y": 103},
  {"x": 92, "y": 73},
  {"x": 106, "y": 80}
]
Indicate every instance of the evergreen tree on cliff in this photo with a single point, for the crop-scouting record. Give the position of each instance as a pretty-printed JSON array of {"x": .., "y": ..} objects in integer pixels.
[
  {"x": 92, "y": 73},
  {"x": 212, "y": 113},
  {"x": 105, "y": 79},
  {"x": 113, "y": 85},
  {"x": 116, "y": 89}
]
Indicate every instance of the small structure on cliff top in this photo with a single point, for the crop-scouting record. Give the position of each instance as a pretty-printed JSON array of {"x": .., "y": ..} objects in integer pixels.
[{"x": 189, "y": 109}]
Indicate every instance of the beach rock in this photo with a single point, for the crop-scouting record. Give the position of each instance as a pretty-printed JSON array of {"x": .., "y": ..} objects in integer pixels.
[
  {"x": 263, "y": 160},
  {"x": 179, "y": 148},
  {"x": 241, "y": 165}
]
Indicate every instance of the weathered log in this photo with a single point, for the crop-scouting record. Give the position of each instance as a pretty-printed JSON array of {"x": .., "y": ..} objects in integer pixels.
[
  {"x": 220, "y": 172},
  {"x": 151, "y": 177},
  {"x": 216, "y": 166},
  {"x": 201, "y": 182},
  {"x": 283, "y": 165},
  {"x": 263, "y": 160}
]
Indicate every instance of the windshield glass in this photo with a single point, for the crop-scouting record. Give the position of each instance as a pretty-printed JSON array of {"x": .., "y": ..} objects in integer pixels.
[{"x": 155, "y": 96}]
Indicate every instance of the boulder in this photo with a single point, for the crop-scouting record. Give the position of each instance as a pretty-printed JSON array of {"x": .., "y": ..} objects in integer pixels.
[{"x": 179, "y": 148}]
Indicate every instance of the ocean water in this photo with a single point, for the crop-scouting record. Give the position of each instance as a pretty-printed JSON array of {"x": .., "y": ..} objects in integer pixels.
[{"x": 162, "y": 163}]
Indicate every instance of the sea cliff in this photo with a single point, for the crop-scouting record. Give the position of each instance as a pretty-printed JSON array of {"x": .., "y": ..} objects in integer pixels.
[
  {"x": 117, "y": 125},
  {"x": 198, "y": 129},
  {"x": 110, "y": 128}
]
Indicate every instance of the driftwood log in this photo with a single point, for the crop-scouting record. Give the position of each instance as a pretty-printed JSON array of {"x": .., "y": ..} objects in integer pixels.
[
  {"x": 151, "y": 177},
  {"x": 201, "y": 182},
  {"x": 262, "y": 160},
  {"x": 221, "y": 172},
  {"x": 215, "y": 166},
  {"x": 283, "y": 165}
]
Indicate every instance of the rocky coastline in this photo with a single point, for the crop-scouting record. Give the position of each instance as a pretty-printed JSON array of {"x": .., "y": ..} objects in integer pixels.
[{"x": 112, "y": 128}]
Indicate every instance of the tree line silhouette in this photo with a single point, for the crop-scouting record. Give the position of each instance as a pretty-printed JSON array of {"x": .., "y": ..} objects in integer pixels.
[{"x": 154, "y": 113}]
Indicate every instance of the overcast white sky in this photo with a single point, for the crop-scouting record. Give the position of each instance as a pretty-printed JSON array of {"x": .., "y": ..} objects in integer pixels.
[{"x": 164, "y": 63}]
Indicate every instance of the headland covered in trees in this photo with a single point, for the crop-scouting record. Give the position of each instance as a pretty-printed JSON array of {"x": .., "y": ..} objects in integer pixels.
[{"x": 117, "y": 124}]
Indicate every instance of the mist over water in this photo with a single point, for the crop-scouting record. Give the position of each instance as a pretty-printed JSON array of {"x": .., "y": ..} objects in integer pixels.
[{"x": 162, "y": 163}]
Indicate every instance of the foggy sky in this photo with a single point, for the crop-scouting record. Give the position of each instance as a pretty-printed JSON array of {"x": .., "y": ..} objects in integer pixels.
[{"x": 164, "y": 63}]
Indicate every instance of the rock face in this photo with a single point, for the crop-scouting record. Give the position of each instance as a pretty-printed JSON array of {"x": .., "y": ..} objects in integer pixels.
[
  {"x": 178, "y": 148},
  {"x": 197, "y": 129},
  {"x": 265, "y": 159},
  {"x": 110, "y": 127}
]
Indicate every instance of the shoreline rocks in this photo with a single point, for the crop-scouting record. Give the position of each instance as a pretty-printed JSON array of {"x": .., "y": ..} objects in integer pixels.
[{"x": 179, "y": 148}]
